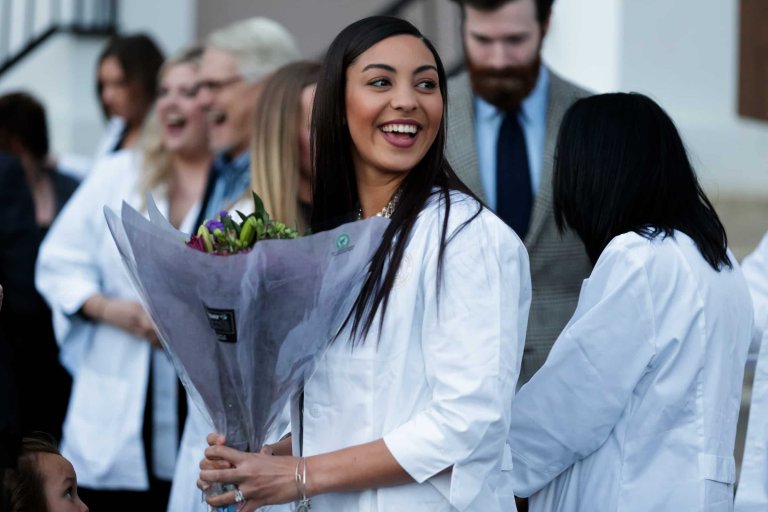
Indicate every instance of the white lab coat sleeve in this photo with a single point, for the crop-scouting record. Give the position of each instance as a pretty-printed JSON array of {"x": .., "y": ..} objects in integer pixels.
[
  {"x": 472, "y": 340},
  {"x": 755, "y": 269},
  {"x": 752, "y": 492},
  {"x": 569, "y": 407},
  {"x": 68, "y": 268}
]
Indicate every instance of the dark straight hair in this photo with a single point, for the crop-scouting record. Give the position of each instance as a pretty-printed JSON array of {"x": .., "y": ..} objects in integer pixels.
[
  {"x": 22, "y": 117},
  {"x": 621, "y": 166},
  {"x": 140, "y": 60},
  {"x": 335, "y": 195}
]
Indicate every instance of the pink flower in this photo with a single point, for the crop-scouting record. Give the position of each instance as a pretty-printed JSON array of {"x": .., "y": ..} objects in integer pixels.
[{"x": 196, "y": 242}]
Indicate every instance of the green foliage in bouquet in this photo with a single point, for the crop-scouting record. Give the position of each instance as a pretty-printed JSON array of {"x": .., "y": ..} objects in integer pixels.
[{"x": 223, "y": 235}]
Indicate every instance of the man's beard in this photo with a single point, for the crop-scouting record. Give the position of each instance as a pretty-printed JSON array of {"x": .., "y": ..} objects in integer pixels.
[{"x": 504, "y": 88}]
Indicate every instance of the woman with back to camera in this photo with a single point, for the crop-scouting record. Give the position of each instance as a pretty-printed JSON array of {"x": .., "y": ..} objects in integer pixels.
[
  {"x": 635, "y": 408},
  {"x": 121, "y": 429},
  {"x": 409, "y": 407}
]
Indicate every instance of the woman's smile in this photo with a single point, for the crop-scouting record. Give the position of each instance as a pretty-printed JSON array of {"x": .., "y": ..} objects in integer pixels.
[{"x": 401, "y": 132}]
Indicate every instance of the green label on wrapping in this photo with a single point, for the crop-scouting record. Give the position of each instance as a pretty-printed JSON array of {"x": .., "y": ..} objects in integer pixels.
[{"x": 342, "y": 241}]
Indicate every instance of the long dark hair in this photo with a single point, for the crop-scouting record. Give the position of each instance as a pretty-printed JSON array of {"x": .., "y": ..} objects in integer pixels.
[
  {"x": 621, "y": 166},
  {"x": 140, "y": 59},
  {"x": 22, "y": 117},
  {"x": 335, "y": 195}
]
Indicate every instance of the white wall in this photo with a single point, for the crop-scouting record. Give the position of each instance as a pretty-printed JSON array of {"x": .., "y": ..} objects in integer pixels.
[
  {"x": 584, "y": 43},
  {"x": 314, "y": 23},
  {"x": 684, "y": 54},
  {"x": 171, "y": 23},
  {"x": 61, "y": 74}
]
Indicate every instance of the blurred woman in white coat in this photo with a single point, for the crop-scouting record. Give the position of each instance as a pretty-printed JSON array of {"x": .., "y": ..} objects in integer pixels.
[
  {"x": 121, "y": 429},
  {"x": 752, "y": 493},
  {"x": 636, "y": 406}
]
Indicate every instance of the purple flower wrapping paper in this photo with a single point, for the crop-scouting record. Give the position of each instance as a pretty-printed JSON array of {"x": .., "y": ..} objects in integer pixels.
[{"x": 244, "y": 331}]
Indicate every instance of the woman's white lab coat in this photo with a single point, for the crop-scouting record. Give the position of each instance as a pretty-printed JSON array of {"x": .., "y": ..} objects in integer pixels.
[
  {"x": 636, "y": 406},
  {"x": 437, "y": 385},
  {"x": 103, "y": 427},
  {"x": 752, "y": 493}
]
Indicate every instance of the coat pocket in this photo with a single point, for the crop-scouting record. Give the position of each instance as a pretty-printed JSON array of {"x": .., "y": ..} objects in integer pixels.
[
  {"x": 718, "y": 475},
  {"x": 716, "y": 468},
  {"x": 95, "y": 428}
]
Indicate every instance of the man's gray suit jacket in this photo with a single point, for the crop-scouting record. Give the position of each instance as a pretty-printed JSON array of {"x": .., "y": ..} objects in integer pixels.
[{"x": 559, "y": 264}]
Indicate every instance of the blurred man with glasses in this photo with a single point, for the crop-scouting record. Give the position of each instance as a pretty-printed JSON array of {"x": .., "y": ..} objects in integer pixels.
[{"x": 235, "y": 63}]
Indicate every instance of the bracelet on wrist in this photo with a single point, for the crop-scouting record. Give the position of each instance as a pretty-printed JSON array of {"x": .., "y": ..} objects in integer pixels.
[{"x": 301, "y": 484}]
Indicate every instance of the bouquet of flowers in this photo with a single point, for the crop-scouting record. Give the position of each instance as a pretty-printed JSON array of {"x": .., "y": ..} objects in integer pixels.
[
  {"x": 224, "y": 236},
  {"x": 244, "y": 330}
]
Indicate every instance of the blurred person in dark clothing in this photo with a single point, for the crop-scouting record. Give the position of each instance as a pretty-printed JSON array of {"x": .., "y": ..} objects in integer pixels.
[
  {"x": 12, "y": 224},
  {"x": 9, "y": 423},
  {"x": 31, "y": 195}
]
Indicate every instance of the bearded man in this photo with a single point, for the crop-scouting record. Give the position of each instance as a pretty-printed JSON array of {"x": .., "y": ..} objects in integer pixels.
[{"x": 504, "y": 112}]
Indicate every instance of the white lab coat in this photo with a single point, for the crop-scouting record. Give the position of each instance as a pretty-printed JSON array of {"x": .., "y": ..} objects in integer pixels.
[
  {"x": 752, "y": 493},
  {"x": 185, "y": 496},
  {"x": 79, "y": 165},
  {"x": 103, "y": 427},
  {"x": 437, "y": 384},
  {"x": 636, "y": 406}
]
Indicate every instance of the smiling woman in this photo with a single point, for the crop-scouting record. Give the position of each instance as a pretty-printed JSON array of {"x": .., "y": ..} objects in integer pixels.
[
  {"x": 409, "y": 407},
  {"x": 394, "y": 109}
]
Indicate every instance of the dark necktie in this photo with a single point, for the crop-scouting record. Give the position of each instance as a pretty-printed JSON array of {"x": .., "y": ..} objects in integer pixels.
[{"x": 514, "y": 194}]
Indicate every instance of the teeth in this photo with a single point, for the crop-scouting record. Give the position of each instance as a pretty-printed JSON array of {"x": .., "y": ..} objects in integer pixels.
[
  {"x": 175, "y": 119},
  {"x": 400, "y": 128}
]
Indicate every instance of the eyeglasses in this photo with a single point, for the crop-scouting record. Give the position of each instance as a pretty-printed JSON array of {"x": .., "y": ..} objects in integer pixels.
[{"x": 215, "y": 86}]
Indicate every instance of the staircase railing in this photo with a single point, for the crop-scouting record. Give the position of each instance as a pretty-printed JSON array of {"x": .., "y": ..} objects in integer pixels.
[{"x": 26, "y": 24}]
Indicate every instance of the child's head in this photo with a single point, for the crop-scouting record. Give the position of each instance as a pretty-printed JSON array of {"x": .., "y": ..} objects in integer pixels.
[{"x": 43, "y": 481}]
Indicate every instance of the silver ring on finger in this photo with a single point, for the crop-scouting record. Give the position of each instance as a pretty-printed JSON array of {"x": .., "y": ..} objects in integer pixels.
[{"x": 239, "y": 498}]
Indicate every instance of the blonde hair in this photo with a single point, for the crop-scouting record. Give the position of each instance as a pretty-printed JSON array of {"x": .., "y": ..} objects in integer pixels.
[
  {"x": 275, "y": 155},
  {"x": 259, "y": 45},
  {"x": 156, "y": 168}
]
